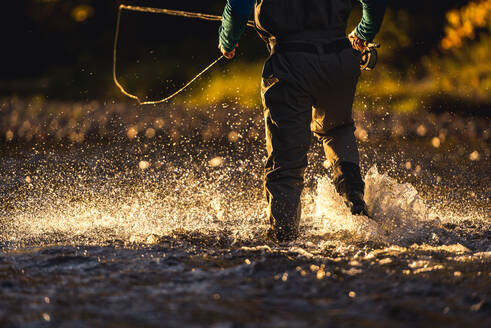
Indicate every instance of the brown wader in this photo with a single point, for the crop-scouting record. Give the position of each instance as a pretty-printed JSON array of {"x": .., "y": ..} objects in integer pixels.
[{"x": 308, "y": 85}]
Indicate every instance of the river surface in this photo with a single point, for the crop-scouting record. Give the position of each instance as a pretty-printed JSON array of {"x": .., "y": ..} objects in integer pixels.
[{"x": 171, "y": 234}]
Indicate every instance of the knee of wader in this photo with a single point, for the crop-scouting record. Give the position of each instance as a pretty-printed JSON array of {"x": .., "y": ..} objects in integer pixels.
[
  {"x": 284, "y": 180},
  {"x": 326, "y": 133}
]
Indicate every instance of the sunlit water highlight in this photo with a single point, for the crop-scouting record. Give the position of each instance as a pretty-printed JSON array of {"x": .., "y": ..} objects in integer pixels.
[{"x": 183, "y": 202}]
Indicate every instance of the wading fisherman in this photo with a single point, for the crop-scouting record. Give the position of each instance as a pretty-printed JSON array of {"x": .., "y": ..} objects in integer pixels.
[{"x": 308, "y": 85}]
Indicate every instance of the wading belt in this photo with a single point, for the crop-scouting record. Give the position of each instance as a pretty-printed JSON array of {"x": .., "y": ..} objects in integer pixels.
[{"x": 331, "y": 47}]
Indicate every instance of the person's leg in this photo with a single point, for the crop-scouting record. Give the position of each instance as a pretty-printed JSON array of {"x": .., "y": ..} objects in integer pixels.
[
  {"x": 287, "y": 113},
  {"x": 340, "y": 144},
  {"x": 332, "y": 123}
]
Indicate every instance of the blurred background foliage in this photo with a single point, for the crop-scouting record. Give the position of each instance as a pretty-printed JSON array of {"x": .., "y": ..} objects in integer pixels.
[{"x": 434, "y": 55}]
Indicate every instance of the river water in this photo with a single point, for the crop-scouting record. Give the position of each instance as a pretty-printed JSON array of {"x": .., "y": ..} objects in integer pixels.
[{"x": 170, "y": 234}]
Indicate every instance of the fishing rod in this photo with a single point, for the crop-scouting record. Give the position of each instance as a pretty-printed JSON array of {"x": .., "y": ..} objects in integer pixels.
[
  {"x": 166, "y": 12},
  {"x": 368, "y": 60}
]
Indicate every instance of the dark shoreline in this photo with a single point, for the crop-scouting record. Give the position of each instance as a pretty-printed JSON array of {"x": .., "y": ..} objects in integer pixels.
[{"x": 76, "y": 122}]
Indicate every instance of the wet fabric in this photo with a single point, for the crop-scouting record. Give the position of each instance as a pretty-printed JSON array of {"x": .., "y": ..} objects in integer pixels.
[
  {"x": 349, "y": 184},
  {"x": 304, "y": 93}
]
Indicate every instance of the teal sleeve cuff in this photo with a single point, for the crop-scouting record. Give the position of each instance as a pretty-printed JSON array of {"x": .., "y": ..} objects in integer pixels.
[
  {"x": 373, "y": 15},
  {"x": 233, "y": 24}
]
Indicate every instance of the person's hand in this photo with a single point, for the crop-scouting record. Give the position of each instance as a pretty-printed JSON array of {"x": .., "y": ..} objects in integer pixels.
[
  {"x": 227, "y": 54},
  {"x": 356, "y": 42}
]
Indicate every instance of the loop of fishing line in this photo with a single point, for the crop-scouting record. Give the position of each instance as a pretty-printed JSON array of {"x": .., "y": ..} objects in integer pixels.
[{"x": 167, "y": 12}]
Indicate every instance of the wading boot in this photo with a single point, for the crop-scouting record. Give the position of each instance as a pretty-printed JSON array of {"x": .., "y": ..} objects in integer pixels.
[
  {"x": 286, "y": 230},
  {"x": 349, "y": 184},
  {"x": 282, "y": 236}
]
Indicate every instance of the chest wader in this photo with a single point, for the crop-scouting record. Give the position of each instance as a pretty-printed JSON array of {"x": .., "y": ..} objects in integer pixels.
[{"x": 308, "y": 86}]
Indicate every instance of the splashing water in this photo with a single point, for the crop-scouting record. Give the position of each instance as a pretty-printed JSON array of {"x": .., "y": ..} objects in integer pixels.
[
  {"x": 181, "y": 203},
  {"x": 398, "y": 213},
  {"x": 214, "y": 203}
]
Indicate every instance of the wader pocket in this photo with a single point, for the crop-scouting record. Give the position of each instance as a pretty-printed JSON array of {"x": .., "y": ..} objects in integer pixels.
[
  {"x": 268, "y": 83},
  {"x": 268, "y": 77}
]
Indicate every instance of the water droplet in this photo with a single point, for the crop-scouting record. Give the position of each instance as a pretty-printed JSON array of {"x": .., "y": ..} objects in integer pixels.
[
  {"x": 132, "y": 132},
  {"x": 361, "y": 134},
  {"x": 143, "y": 165},
  {"x": 474, "y": 156},
  {"x": 233, "y": 136},
  {"x": 9, "y": 135},
  {"x": 46, "y": 317},
  {"x": 435, "y": 142},
  {"x": 216, "y": 161},
  {"x": 421, "y": 130},
  {"x": 150, "y": 133}
]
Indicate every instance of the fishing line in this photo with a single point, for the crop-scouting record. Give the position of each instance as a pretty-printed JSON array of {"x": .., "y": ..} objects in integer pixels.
[{"x": 167, "y": 12}]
